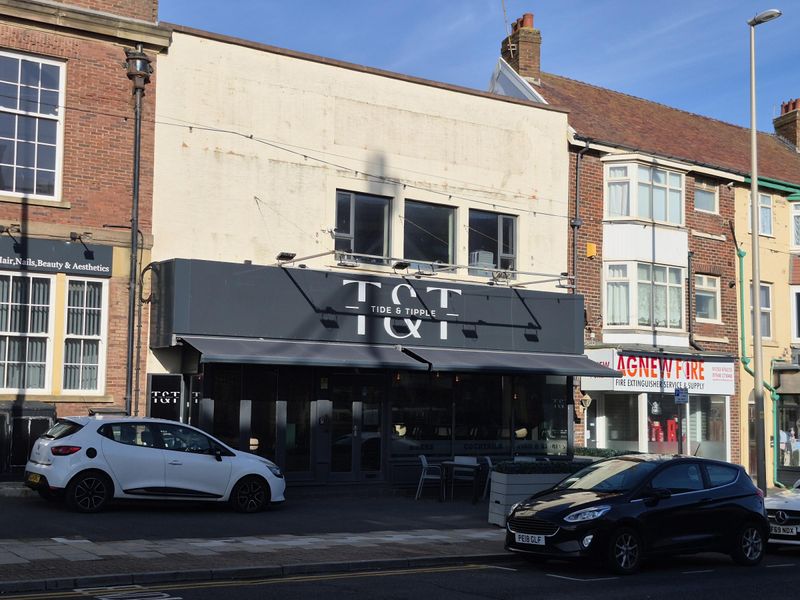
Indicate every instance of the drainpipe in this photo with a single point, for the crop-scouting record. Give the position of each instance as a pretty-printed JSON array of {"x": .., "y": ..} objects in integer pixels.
[
  {"x": 690, "y": 287},
  {"x": 577, "y": 222},
  {"x": 774, "y": 396}
]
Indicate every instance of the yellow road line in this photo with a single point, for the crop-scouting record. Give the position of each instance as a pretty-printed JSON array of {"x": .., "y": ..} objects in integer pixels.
[{"x": 236, "y": 583}]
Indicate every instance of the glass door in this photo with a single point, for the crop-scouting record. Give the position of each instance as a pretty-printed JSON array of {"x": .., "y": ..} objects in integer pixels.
[{"x": 356, "y": 426}]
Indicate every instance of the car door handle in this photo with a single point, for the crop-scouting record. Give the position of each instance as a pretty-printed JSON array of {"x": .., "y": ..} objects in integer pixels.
[
  {"x": 175, "y": 462},
  {"x": 706, "y": 500}
]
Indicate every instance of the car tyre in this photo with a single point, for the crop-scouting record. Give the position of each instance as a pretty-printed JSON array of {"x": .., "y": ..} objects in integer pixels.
[
  {"x": 625, "y": 550},
  {"x": 250, "y": 495},
  {"x": 89, "y": 492},
  {"x": 749, "y": 545}
]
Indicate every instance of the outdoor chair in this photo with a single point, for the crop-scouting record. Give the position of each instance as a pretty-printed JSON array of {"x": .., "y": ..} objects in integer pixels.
[
  {"x": 429, "y": 472},
  {"x": 466, "y": 473}
]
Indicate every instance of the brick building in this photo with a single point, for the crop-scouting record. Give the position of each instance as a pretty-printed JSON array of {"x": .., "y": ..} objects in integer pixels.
[
  {"x": 654, "y": 193},
  {"x": 66, "y": 164}
]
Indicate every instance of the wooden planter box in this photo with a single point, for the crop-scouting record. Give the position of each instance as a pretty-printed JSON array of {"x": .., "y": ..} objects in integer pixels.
[{"x": 508, "y": 489}]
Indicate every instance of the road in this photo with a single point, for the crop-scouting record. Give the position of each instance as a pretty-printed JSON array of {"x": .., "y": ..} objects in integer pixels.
[{"x": 699, "y": 578}]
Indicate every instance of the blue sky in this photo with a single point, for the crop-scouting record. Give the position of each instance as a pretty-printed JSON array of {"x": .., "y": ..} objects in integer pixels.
[{"x": 690, "y": 54}]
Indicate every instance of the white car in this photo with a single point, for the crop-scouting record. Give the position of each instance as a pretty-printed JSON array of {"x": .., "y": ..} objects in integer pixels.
[
  {"x": 92, "y": 460},
  {"x": 783, "y": 512}
]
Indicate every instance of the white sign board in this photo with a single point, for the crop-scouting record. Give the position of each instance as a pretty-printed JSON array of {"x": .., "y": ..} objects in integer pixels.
[{"x": 661, "y": 374}]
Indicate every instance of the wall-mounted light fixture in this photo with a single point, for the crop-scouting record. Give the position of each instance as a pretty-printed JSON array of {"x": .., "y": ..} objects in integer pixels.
[
  {"x": 345, "y": 260},
  {"x": 285, "y": 256},
  {"x": 10, "y": 229},
  {"x": 401, "y": 265},
  {"x": 74, "y": 236}
]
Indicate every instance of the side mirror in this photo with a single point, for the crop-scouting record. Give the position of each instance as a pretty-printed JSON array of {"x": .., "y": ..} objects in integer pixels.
[{"x": 218, "y": 454}]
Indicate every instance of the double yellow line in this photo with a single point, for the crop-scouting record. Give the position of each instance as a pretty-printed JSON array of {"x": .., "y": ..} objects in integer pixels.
[{"x": 108, "y": 591}]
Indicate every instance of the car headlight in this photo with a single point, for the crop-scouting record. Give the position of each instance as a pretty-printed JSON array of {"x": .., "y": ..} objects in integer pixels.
[
  {"x": 514, "y": 507},
  {"x": 275, "y": 470},
  {"x": 587, "y": 514}
]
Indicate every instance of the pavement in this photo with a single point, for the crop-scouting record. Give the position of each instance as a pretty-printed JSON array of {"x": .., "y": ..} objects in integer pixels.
[{"x": 318, "y": 530}]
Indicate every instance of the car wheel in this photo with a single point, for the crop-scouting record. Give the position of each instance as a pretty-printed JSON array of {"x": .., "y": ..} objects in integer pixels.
[
  {"x": 624, "y": 551},
  {"x": 749, "y": 545},
  {"x": 89, "y": 492},
  {"x": 250, "y": 495}
]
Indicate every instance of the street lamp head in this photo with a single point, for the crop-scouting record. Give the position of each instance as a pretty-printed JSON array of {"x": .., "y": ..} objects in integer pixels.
[{"x": 763, "y": 17}]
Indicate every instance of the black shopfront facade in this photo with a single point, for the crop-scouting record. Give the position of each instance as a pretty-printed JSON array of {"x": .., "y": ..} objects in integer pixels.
[{"x": 344, "y": 377}]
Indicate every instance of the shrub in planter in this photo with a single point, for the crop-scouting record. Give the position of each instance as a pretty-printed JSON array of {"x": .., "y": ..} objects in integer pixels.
[
  {"x": 602, "y": 452},
  {"x": 515, "y": 481}
]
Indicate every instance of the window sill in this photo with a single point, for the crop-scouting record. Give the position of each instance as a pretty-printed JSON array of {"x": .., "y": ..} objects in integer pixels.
[
  {"x": 640, "y": 221},
  {"x": 47, "y": 396},
  {"x": 707, "y": 212},
  {"x": 708, "y": 321},
  {"x": 33, "y": 201}
]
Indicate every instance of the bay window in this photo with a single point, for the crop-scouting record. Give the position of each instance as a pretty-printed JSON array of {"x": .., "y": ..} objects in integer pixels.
[
  {"x": 645, "y": 192},
  {"x": 653, "y": 298}
]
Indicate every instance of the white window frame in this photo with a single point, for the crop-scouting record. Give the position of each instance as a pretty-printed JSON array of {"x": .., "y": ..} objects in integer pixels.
[
  {"x": 633, "y": 295},
  {"x": 764, "y": 311},
  {"x": 764, "y": 201},
  {"x": 702, "y": 285},
  {"x": 606, "y": 300},
  {"x": 632, "y": 179},
  {"x": 49, "y": 337},
  {"x": 794, "y": 305},
  {"x": 59, "y": 120},
  {"x": 706, "y": 185},
  {"x": 102, "y": 338},
  {"x": 795, "y": 233}
]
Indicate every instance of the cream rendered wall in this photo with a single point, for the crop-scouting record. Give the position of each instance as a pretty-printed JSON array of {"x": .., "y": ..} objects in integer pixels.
[
  {"x": 222, "y": 196},
  {"x": 774, "y": 268}
]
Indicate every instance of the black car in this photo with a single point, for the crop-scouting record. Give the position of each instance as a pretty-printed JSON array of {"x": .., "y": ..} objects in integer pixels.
[{"x": 621, "y": 510}]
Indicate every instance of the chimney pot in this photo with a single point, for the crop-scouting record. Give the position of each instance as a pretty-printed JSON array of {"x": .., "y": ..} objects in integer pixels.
[{"x": 527, "y": 20}]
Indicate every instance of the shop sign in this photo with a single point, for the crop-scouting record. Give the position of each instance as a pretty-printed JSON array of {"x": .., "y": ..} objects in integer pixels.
[
  {"x": 54, "y": 256},
  {"x": 165, "y": 397},
  {"x": 663, "y": 373}
]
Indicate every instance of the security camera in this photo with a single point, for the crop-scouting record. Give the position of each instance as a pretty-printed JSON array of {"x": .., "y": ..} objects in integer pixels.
[{"x": 729, "y": 185}]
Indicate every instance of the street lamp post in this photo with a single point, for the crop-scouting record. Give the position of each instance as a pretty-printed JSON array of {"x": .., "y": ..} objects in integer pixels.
[
  {"x": 755, "y": 226},
  {"x": 139, "y": 70}
]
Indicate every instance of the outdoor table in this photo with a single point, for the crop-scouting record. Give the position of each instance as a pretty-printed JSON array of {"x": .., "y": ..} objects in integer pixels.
[{"x": 448, "y": 467}]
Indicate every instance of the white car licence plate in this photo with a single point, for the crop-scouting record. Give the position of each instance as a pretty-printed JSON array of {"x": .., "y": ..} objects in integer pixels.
[
  {"x": 529, "y": 538},
  {"x": 783, "y": 529}
]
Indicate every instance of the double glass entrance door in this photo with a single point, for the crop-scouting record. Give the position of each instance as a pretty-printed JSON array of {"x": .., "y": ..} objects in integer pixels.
[{"x": 356, "y": 441}]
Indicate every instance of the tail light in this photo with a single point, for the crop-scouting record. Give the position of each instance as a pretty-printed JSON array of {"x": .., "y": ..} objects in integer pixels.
[{"x": 64, "y": 450}]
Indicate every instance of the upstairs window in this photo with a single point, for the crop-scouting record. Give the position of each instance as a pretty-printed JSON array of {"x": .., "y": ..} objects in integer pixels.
[
  {"x": 429, "y": 233},
  {"x": 644, "y": 294},
  {"x": 765, "y": 299},
  {"x": 30, "y": 123},
  {"x": 362, "y": 226},
  {"x": 492, "y": 242},
  {"x": 707, "y": 297},
  {"x": 644, "y": 192},
  {"x": 705, "y": 195},
  {"x": 796, "y": 224},
  {"x": 764, "y": 215}
]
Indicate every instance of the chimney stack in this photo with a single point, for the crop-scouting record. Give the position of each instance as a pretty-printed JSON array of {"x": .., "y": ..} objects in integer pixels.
[
  {"x": 787, "y": 125},
  {"x": 522, "y": 49}
]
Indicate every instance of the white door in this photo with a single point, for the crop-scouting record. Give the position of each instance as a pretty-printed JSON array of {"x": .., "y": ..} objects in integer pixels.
[
  {"x": 191, "y": 467},
  {"x": 131, "y": 453}
]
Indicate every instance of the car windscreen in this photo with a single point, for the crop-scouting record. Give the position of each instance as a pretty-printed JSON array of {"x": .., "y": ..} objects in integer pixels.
[
  {"x": 62, "y": 428},
  {"x": 614, "y": 475}
]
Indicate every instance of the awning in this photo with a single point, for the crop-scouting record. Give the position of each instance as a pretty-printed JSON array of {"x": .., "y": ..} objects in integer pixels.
[
  {"x": 282, "y": 352},
  {"x": 511, "y": 362}
]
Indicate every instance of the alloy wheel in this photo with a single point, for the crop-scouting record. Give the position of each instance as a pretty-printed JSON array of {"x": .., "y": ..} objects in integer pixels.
[
  {"x": 250, "y": 496},
  {"x": 752, "y": 543},
  {"x": 90, "y": 493},
  {"x": 626, "y": 551}
]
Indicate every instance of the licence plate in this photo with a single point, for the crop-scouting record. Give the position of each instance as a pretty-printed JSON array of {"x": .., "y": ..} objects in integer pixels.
[
  {"x": 783, "y": 529},
  {"x": 528, "y": 538},
  {"x": 34, "y": 477}
]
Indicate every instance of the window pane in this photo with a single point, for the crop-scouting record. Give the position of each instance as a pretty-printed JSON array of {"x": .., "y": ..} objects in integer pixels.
[
  {"x": 618, "y": 172},
  {"x": 644, "y": 292},
  {"x": 643, "y": 272},
  {"x": 8, "y": 126},
  {"x": 644, "y": 174},
  {"x": 765, "y": 217},
  {"x": 706, "y": 305},
  {"x": 8, "y": 95},
  {"x": 483, "y": 242},
  {"x": 72, "y": 377},
  {"x": 50, "y": 75},
  {"x": 675, "y": 276},
  {"x": 659, "y": 177},
  {"x": 47, "y": 131},
  {"x": 705, "y": 200},
  {"x": 428, "y": 232},
  {"x": 659, "y": 203},
  {"x": 9, "y": 69},
  {"x": 508, "y": 235},
  {"x": 675, "y": 207},
  {"x": 660, "y": 274},
  {"x": 45, "y": 183},
  {"x": 30, "y": 73},
  {"x": 370, "y": 228},
  {"x": 25, "y": 181},
  {"x": 618, "y": 271},
  {"x": 660, "y": 306},
  {"x": 796, "y": 229},
  {"x": 675, "y": 180},
  {"x": 618, "y": 199},
  {"x": 765, "y": 297},
  {"x": 645, "y": 201},
  {"x": 618, "y": 303},
  {"x": 343, "y": 213},
  {"x": 675, "y": 307}
]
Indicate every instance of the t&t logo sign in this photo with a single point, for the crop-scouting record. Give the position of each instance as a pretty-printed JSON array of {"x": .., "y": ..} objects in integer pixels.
[{"x": 412, "y": 317}]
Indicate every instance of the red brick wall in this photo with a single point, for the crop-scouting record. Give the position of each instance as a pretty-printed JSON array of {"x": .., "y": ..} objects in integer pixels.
[
  {"x": 145, "y": 10},
  {"x": 711, "y": 256},
  {"x": 97, "y": 162}
]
